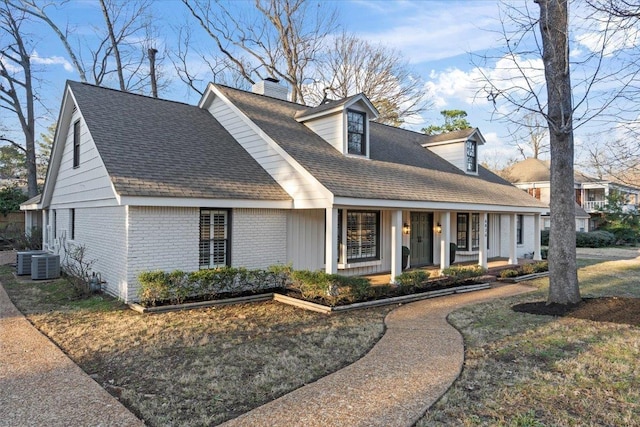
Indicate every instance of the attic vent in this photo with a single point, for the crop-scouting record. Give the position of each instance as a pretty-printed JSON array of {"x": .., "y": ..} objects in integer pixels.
[
  {"x": 46, "y": 266},
  {"x": 23, "y": 264},
  {"x": 270, "y": 87}
]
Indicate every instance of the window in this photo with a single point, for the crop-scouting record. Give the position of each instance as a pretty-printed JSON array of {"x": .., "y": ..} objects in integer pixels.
[
  {"x": 462, "y": 231},
  {"x": 547, "y": 224},
  {"x": 54, "y": 224},
  {"x": 214, "y": 238},
  {"x": 72, "y": 223},
  {"x": 363, "y": 231},
  {"x": 519, "y": 230},
  {"x": 472, "y": 156},
  {"x": 475, "y": 231},
  {"x": 76, "y": 144},
  {"x": 535, "y": 192},
  {"x": 356, "y": 137}
]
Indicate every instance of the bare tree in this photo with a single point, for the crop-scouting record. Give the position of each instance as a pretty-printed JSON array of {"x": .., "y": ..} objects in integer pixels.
[
  {"x": 531, "y": 137},
  {"x": 17, "y": 85},
  {"x": 282, "y": 40},
  {"x": 119, "y": 51},
  {"x": 554, "y": 31},
  {"x": 353, "y": 65}
]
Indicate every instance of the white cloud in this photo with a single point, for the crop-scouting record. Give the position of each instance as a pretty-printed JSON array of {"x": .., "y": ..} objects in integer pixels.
[{"x": 51, "y": 60}]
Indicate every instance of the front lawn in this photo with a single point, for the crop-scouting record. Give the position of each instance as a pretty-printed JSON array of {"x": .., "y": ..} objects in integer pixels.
[
  {"x": 531, "y": 370},
  {"x": 197, "y": 367}
]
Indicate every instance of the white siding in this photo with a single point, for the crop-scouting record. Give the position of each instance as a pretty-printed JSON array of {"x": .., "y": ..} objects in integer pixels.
[
  {"x": 494, "y": 235},
  {"x": 89, "y": 181},
  {"x": 453, "y": 153},
  {"x": 330, "y": 129},
  {"x": 258, "y": 237},
  {"x": 161, "y": 238},
  {"x": 102, "y": 231},
  {"x": 527, "y": 236},
  {"x": 301, "y": 188},
  {"x": 305, "y": 239}
]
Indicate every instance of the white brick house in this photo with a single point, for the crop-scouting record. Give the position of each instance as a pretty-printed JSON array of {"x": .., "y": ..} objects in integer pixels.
[{"x": 251, "y": 180}]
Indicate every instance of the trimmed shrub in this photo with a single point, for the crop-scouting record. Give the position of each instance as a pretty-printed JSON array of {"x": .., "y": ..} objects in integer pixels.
[
  {"x": 412, "y": 279},
  {"x": 463, "y": 272},
  {"x": 527, "y": 269},
  {"x": 540, "y": 266},
  {"x": 153, "y": 287},
  {"x": 595, "y": 239},
  {"x": 509, "y": 273}
]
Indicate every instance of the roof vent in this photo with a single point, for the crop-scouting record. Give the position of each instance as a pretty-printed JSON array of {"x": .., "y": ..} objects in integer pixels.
[{"x": 270, "y": 87}]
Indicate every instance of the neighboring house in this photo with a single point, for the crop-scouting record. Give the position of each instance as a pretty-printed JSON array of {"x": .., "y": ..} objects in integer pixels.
[
  {"x": 534, "y": 176},
  {"x": 251, "y": 180}
]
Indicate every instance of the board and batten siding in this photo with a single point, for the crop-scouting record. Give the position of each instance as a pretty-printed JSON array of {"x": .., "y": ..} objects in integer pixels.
[
  {"x": 161, "y": 238},
  {"x": 89, "y": 182},
  {"x": 301, "y": 188},
  {"x": 527, "y": 235},
  {"x": 258, "y": 238},
  {"x": 331, "y": 129},
  {"x": 305, "y": 239},
  {"x": 454, "y": 153}
]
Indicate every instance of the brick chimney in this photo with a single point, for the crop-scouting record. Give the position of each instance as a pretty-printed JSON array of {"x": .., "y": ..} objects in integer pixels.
[{"x": 270, "y": 87}]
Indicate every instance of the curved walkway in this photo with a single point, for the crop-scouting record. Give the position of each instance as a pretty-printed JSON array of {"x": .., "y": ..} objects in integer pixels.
[
  {"x": 41, "y": 386},
  {"x": 413, "y": 364}
]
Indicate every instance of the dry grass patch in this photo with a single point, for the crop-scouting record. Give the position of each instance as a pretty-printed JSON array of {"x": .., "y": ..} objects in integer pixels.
[
  {"x": 528, "y": 370},
  {"x": 198, "y": 367}
]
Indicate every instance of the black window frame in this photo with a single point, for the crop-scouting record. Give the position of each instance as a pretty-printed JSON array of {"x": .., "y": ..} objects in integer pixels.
[
  {"x": 475, "y": 231},
  {"x": 76, "y": 144},
  {"x": 520, "y": 229},
  {"x": 204, "y": 245},
  {"x": 471, "y": 155},
  {"x": 377, "y": 237},
  {"x": 72, "y": 223},
  {"x": 363, "y": 133},
  {"x": 462, "y": 230}
]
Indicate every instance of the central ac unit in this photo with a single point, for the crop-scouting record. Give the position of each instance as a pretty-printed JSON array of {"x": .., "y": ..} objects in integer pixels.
[
  {"x": 23, "y": 264},
  {"x": 46, "y": 266}
]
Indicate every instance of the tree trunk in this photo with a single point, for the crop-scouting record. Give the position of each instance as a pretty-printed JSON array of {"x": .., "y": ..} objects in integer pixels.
[
  {"x": 152, "y": 71},
  {"x": 114, "y": 45},
  {"x": 563, "y": 277}
]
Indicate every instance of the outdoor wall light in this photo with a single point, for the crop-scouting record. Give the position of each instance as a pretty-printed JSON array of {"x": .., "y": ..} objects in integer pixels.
[
  {"x": 438, "y": 228},
  {"x": 406, "y": 229}
]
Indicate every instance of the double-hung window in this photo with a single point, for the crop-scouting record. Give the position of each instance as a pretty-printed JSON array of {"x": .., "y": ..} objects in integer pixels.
[
  {"x": 76, "y": 144},
  {"x": 475, "y": 231},
  {"x": 356, "y": 133},
  {"x": 472, "y": 156},
  {"x": 520, "y": 229},
  {"x": 214, "y": 238},
  {"x": 363, "y": 235},
  {"x": 462, "y": 230}
]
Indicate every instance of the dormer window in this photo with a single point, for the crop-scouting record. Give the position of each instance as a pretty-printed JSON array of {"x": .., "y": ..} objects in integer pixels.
[
  {"x": 472, "y": 156},
  {"x": 356, "y": 137}
]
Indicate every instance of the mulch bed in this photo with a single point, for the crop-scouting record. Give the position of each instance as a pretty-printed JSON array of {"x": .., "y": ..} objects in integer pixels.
[{"x": 610, "y": 309}]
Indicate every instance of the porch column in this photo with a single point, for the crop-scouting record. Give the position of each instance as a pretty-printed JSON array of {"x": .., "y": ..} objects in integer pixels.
[
  {"x": 331, "y": 241},
  {"x": 537, "y": 219},
  {"x": 396, "y": 245},
  {"x": 445, "y": 223},
  {"x": 482, "y": 251},
  {"x": 513, "y": 239}
]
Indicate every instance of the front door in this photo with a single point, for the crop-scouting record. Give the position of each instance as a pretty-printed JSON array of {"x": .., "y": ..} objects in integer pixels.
[{"x": 421, "y": 240}]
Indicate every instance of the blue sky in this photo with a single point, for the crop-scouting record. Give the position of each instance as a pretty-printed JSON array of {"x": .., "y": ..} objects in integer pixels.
[{"x": 440, "y": 39}]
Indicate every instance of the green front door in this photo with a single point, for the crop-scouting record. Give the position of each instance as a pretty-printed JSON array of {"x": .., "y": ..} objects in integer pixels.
[{"x": 421, "y": 239}]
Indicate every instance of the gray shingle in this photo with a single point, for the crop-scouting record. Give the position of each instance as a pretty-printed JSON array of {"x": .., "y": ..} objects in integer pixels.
[
  {"x": 154, "y": 147},
  {"x": 399, "y": 169}
]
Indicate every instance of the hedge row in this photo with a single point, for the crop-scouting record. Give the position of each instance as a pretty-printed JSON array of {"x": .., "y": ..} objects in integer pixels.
[
  {"x": 586, "y": 239},
  {"x": 536, "y": 267},
  {"x": 332, "y": 289}
]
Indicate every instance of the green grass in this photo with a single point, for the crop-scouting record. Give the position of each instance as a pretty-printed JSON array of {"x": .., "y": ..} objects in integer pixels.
[{"x": 527, "y": 370}]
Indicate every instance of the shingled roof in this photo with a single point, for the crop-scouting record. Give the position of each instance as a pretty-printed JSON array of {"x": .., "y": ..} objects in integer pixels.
[
  {"x": 399, "y": 168},
  {"x": 154, "y": 147},
  {"x": 536, "y": 170}
]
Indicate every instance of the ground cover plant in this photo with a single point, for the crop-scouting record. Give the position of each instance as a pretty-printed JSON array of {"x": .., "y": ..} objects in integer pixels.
[
  {"x": 196, "y": 367},
  {"x": 526, "y": 369}
]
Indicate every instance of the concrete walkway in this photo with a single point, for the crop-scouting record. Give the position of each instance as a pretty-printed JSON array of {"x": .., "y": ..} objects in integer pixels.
[
  {"x": 41, "y": 386},
  {"x": 414, "y": 363}
]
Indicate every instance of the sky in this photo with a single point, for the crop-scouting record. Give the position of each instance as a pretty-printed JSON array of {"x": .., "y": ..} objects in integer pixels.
[{"x": 443, "y": 41}]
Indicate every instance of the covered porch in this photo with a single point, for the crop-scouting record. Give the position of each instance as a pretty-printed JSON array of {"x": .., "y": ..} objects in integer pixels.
[{"x": 369, "y": 242}]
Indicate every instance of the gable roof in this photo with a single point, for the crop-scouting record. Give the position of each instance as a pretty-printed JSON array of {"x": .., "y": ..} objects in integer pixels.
[
  {"x": 332, "y": 106},
  {"x": 158, "y": 148},
  {"x": 456, "y": 135},
  {"x": 536, "y": 170},
  {"x": 399, "y": 168}
]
